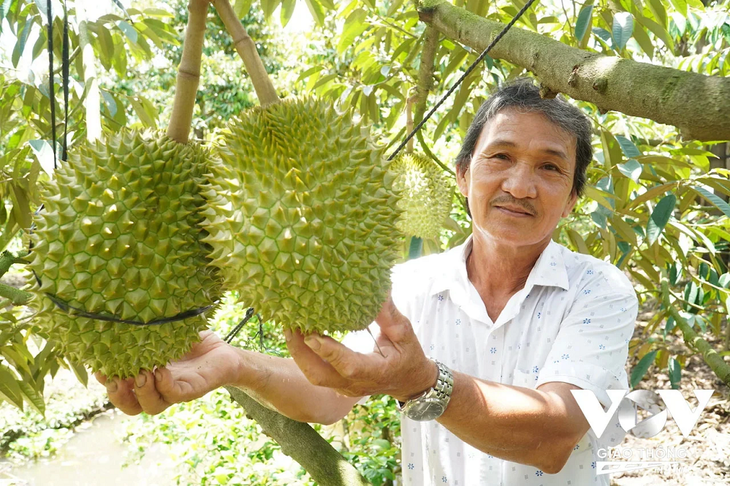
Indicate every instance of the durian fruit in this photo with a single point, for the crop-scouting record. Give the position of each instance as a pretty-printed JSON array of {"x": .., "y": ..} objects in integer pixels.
[
  {"x": 303, "y": 216},
  {"x": 426, "y": 194},
  {"x": 120, "y": 236}
]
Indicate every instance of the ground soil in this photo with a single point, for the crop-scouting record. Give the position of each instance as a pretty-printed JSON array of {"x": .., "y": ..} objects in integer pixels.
[{"x": 706, "y": 449}]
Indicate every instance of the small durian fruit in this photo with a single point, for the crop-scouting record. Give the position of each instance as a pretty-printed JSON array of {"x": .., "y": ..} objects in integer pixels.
[
  {"x": 426, "y": 194},
  {"x": 120, "y": 236},
  {"x": 303, "y": 216}
]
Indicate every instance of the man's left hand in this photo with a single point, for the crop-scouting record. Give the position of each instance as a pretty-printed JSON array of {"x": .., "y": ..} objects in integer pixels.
[{"x": 402, "y": 371}]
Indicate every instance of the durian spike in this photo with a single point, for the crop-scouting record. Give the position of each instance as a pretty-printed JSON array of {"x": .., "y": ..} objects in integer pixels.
[
  {"x": 188, "y": 72},
  {"x": 247, "y": 51}
]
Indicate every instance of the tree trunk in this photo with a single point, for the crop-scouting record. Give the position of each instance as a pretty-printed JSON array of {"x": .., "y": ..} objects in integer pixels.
[{"x": 696, "y": 104}]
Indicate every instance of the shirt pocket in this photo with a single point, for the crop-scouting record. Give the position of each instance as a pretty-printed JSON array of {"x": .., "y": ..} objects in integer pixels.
[{"x": 525, "y": 379}]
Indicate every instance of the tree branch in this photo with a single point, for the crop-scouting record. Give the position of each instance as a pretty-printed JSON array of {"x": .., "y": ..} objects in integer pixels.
[
  {"x": 713, "y": 359},
  {"x": 16, "y": 296},
  {"x": 696, "y": 104},
  {"x": 302, "y": 443}
]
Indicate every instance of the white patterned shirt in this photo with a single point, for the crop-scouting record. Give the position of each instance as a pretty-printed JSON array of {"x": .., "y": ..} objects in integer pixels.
[{"x": 570, "y": 323}]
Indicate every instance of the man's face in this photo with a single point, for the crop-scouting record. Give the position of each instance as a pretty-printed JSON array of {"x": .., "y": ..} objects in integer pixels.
[{"x": 520, "y": 179}]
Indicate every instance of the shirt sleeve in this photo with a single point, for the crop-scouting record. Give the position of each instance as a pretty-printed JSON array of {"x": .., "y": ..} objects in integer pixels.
[{"x": 591, "y": 348}]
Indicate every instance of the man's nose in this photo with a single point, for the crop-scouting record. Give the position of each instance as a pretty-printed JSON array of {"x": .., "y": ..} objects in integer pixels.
[{"x": 520, "y": 181}]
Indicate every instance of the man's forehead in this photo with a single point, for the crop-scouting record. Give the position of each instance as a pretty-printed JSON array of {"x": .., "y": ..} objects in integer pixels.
[{"x": 506, "y": 128}]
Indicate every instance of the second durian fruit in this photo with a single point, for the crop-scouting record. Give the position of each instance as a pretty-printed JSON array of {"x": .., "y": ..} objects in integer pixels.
[
  {"x": 303, "y": 217},
  {"x": 426, "y": 195},
  {"x": 120, "y": 236}
]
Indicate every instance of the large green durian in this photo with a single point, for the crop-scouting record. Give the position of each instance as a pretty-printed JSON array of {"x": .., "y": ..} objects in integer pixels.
[
  {"x": 303, "y": 220},
  {"x": 426, "y": 195},
  {"x": 120, "y": 236}
]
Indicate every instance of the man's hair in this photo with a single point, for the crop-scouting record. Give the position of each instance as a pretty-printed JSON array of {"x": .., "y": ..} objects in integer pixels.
[{"x": 524, "y": 96}]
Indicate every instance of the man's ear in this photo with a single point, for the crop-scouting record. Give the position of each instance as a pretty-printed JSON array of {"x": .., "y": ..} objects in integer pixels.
[
  {"x": 570, "y": 204},
  {"x": 462, "y": 180}
]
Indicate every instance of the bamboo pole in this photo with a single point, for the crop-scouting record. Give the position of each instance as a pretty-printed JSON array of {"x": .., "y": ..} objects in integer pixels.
[
  {"x": 246, "y": 49},
  {"x": 188, "y": 72}
]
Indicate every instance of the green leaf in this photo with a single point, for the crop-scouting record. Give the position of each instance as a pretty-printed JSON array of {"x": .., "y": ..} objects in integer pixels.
[
  {"x": 22, "y": 39},
  {"x": 415, "y": 248},
  {"x": 631, "y": 169},
  {"x": 9, "y": 389},
  {"x": 628, "y": 147},
  {"x": 623, "y": 27},
  {"x": 602, "y": 33},
  {"x": 242, "y": 7},
  {"x": 660, "y": 217},
  {"x": 44, "y": 153},
  {"x": 32, "y": 396},
  {"x": 641, "y": 368},
  {"x": 128, "y": 30},
  {"x": 715, "y": 200},
  {"x": 287, "y": 10},
  {"x": 584, "y": 19},
  {"x": 354, "y": 26},
  {"x": 142, "y": 112},
  {"x": 110, "y": 103},
  {"x": 675, "y": 373},
  {"x": 316, "y": 10},
  {"x": 21, "y": 206},
  {"x": 80, "y": 371}
]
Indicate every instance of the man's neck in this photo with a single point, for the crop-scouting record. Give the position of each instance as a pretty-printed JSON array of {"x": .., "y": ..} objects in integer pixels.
[{"x": 497, "y": 270}]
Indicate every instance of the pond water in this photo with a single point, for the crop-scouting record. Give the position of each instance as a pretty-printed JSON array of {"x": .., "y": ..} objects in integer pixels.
[{"x": 94, "y": 456}]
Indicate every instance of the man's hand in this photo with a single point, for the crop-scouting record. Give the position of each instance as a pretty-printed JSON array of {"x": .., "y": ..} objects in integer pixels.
[
  {"x": 211, "y": 363},
  {"x": 403, "y": 372}
]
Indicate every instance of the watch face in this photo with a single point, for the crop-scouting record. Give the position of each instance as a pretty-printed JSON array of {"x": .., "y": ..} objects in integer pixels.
[{"x": 424, "y": 410}]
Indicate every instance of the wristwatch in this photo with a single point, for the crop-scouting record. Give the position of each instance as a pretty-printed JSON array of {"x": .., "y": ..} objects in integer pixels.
[{"x": 432, "y": 403}]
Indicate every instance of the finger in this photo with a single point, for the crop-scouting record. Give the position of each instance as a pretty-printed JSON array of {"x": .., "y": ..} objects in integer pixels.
[
  {"x": 347, "y": 363},
  {"x": 101, "y": 378},
  {"x": 315, "y": 369},
  {"x": 121, "y": 394},
  {"x": 395, "y": 325},
  {"x": 166, "y": 387},
  {"x": 148, "y": 395}
]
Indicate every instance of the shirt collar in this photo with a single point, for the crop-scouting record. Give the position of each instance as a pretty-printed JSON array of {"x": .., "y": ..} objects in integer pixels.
[{"x": 549, "y": 269}]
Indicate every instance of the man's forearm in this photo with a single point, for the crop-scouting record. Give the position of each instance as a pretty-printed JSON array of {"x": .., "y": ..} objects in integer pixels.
[
  {"x": 279, "y": 384},
  {"x": 513, "y": 423}
]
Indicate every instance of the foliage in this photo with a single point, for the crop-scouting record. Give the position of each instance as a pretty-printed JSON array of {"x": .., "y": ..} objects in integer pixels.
[
  {"x": 29, "y": 434},
  {"x": 655, "y": 204},
  {"x": 373, "y": 433},
  {"x": 214, "y": 443}
]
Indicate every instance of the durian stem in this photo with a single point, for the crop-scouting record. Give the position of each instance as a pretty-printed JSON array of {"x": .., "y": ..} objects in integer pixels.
[
  {"x": 246, "y": 49},
  {"x": 409, "y": 122},
  {"x": 188, "y": 72},
  {"x": 7, "y": 259},
  {"x": 16, "y": 296},
  {"x": 425, "y": 71},
  {"x": 302, "y": 443},
  {"x": 425, "y": 86}
]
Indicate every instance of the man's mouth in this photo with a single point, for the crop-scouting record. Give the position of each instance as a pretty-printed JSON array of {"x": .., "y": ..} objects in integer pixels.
[{"x": 517, "y": 211}]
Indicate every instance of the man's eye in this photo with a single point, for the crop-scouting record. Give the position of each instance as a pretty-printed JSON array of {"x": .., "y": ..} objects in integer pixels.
[
  {"x": 552, "y": 167},
  {"x": 501, "y": 156}
]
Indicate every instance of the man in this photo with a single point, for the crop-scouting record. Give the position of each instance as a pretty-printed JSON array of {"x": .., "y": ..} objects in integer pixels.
[{"x": 515, "y": 321}]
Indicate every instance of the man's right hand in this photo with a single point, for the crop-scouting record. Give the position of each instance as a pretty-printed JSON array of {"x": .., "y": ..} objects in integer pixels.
[{"x": 210, "y": 364}]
